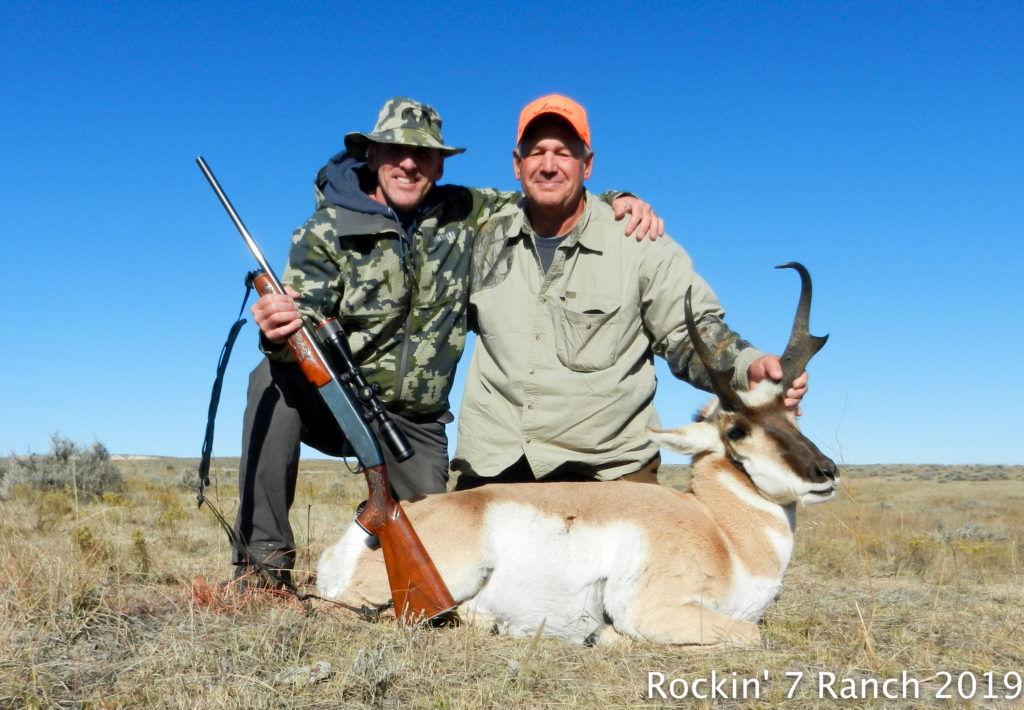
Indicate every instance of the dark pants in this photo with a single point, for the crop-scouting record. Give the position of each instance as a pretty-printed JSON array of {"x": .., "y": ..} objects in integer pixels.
[
  {"x": 520, "y": 472},
  {"x": 283, "y": 409}
]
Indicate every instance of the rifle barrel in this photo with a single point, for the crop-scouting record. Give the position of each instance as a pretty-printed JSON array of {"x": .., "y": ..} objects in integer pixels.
[
  {"x": 250, "y": 242},
  {"x": 308, "y": 353}
]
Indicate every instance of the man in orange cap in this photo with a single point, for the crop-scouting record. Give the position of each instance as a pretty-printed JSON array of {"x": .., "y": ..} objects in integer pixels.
[{"x": 561, "y": 384}]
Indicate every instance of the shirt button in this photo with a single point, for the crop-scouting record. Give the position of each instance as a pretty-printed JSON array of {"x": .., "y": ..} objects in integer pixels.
[
  {"x": 533, "y": 372},
  {"x": 527, "y": 440},
  {"x": 530, "y": 407},
  {"x": 543, "y": 299},
  {"x": 536, "y": 337}
]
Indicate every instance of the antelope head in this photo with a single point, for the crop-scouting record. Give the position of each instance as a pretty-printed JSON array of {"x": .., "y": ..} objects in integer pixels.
[{"x": 753, "y": 430}]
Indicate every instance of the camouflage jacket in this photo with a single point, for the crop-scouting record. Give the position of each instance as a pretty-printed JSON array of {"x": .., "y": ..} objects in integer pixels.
[{"x": 400, "y": 292}]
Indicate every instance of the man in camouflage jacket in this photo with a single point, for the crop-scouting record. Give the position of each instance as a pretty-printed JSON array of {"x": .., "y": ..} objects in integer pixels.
[{"x": 387, "y": 254}]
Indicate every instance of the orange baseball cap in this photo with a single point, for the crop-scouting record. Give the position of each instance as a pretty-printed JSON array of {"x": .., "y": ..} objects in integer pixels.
[{"x": 559, "y": 106}]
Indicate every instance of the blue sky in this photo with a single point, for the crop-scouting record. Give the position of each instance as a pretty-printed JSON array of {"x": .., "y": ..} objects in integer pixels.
[{"x": 880, "y": 143}]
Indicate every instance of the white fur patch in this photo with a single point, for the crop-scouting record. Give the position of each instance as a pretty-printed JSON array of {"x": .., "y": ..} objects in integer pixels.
[
  {"x": 693, "y": 439},
  {"x": 751, "y": 595},
  {"x": 751, "y": 498},
  {"x": 562, "y": 573},
  {"x": 778, "y": 483},
  {"x": 338, "y": 562},
  {"x": 764, "y": 392}
]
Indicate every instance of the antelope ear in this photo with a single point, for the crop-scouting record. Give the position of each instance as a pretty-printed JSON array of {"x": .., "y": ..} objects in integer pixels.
[{"x": 692, "y": 439}]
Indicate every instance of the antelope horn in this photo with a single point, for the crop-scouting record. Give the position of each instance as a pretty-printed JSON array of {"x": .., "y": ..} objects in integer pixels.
[
  {"x": 721, "y": 382},
  {"x": 802, "y": 345}
]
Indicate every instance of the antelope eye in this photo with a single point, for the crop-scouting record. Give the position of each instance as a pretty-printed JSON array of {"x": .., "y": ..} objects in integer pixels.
[{"x": 736, "y": 433}]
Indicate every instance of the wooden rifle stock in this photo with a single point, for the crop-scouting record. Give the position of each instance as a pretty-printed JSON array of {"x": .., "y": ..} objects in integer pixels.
[{"x": 418, "y": 592}]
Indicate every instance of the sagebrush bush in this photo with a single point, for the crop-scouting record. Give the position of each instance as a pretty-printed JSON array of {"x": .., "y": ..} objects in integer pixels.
[{"x": 68, "y": 467}]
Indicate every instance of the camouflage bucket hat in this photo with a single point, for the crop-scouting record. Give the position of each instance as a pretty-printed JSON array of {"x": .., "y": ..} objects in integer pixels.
[{"x": 402, "y": 121}]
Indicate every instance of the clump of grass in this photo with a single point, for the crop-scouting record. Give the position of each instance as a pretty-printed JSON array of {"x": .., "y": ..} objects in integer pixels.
[
  {"x": 140, "y": 551},
  {"x": 172, "y": 512},
  {"x": 52, "y": 508}
]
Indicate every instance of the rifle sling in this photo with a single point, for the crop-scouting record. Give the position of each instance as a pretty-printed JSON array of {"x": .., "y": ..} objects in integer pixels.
[
  {"x": 222, "y": 366},
  {"x": 204, "y": 463},
  {"x": 204, "y": 469}
]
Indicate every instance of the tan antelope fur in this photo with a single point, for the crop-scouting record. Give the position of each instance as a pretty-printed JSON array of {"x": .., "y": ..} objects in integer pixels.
[{"x": 588, "y": 561}]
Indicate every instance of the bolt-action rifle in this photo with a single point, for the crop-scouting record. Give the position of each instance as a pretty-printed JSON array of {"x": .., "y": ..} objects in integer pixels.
[{"x": 417, "y": 590}]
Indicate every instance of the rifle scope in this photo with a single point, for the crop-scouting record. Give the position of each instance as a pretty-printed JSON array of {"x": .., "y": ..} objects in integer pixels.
[{"x": 332, "y": 335}]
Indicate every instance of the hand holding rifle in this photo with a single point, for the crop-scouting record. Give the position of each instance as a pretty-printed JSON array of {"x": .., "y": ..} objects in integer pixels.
[{"x": 277, "y": 316}]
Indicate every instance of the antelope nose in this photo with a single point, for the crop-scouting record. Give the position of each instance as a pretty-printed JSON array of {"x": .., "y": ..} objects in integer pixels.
[{"x": 825, "y": 470}]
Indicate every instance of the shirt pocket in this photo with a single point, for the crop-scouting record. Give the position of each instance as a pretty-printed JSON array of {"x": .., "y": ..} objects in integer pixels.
[{"x": 587, "y": 336}]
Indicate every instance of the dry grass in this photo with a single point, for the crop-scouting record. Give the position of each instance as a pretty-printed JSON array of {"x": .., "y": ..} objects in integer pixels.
[{"x": 114, "y": 603}]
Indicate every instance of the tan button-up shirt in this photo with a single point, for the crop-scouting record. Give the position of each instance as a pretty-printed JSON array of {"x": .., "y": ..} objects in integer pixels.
[{"x": 563, "y": 369}]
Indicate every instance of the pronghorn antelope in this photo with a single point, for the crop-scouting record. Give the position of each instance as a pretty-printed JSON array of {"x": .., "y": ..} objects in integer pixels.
[{"x": 588, "y": 561}]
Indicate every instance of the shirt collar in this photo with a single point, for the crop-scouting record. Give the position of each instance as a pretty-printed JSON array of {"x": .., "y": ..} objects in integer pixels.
[{"x": 579, "y": 234}]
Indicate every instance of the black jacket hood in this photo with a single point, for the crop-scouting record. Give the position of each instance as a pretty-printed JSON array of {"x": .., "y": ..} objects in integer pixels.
[{"x": 345, "y": 182}]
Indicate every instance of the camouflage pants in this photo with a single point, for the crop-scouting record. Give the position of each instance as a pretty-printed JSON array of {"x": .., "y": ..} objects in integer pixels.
[{"x": 282, "y": 410}]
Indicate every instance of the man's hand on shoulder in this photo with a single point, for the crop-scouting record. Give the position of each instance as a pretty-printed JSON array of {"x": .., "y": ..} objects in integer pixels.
[
  {"x": 769, "y": 367},
  {"x": 642, "y": 219},
  {"x": 277, "y": 316}
]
